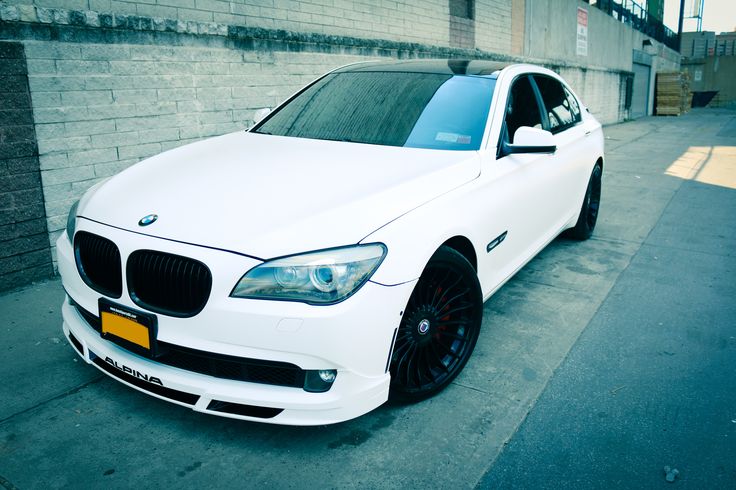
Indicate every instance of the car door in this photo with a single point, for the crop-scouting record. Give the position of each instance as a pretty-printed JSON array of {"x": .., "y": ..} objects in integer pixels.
[
  {"x": 572, "y": 162},
  {"x": 515, "y": 193}
]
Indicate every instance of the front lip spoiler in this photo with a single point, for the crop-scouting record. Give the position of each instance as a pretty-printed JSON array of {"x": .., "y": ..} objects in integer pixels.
[
  {"x": 183, "y": 397},
  {"x": 180, "y": 396}
]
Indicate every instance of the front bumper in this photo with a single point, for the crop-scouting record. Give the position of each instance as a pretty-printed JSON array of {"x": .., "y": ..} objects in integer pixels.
[{"x": 353, "y": 337}]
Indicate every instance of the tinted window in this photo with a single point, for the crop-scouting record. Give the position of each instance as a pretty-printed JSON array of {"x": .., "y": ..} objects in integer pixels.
[
  {"x": 574, "y": 106},
  {"x": 420, "y": 110},
  {"x": 522, "y": 108},
  {"x": 556, "y": 103}
]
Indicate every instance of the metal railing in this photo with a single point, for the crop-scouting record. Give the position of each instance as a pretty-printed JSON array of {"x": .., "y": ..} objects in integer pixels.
[{"x": 631, "y": 13}]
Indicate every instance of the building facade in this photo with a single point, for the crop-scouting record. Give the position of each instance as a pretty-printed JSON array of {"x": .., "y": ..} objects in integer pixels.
[
  {"x": 710, "y": 60},
  {"x": 90, "y": 87}
]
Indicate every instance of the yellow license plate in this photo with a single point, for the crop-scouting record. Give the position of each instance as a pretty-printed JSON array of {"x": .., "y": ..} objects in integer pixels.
[{"x": 131, "y": 329}]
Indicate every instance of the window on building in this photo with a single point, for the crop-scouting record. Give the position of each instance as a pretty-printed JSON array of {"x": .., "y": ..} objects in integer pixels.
[
  {"x": 462, "y": 24},
  {"x": 556, "y": 104},
  {"x": 462, "y": 8}
]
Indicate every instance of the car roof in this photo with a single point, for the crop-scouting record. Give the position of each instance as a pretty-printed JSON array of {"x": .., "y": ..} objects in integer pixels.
[{"x": 441, "y": 67}]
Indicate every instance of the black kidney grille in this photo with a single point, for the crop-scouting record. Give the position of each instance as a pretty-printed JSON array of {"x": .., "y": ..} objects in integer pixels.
[
  {"x": 167, "y": 283},
  {"x": 98, "y": 263}
]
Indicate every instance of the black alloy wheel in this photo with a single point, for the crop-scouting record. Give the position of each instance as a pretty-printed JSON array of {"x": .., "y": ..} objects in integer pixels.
[
  {"x": 439, "y": 329},
  {"x": 585, "y": 225}
]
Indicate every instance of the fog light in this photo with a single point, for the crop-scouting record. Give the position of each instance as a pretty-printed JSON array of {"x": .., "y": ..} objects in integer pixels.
[{"x": 319, "y": 381}]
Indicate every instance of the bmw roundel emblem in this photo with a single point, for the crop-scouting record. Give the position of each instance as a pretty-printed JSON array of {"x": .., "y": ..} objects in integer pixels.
[{"x": 147, "y": 220}]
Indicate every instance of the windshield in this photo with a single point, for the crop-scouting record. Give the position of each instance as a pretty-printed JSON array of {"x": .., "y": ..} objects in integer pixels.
[{"x": 418, "y": 110}]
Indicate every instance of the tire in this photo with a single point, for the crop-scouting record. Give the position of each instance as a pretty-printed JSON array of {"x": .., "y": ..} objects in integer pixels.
[
  {"x": 439, "y": 328},
  {"x": 583, "y": 229}
]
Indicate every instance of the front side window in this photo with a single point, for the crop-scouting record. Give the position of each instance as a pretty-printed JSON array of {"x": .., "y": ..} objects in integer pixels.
[
  {"x": 558, "y": 107},
  {"x": 418, "y": 110},
  {"x": 522, "y": 108}
]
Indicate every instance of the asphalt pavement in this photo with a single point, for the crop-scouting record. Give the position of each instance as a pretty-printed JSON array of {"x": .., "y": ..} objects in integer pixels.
[
  {"x": 598, "y": 365},
  {"x": 649, "y": 389}
]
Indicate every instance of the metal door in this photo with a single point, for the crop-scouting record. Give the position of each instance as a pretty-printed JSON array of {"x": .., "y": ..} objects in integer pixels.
[{"x": 640, "y": 93}]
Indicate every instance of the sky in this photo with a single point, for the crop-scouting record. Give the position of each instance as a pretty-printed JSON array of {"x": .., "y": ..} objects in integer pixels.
[{"x": 718, "y": 15}]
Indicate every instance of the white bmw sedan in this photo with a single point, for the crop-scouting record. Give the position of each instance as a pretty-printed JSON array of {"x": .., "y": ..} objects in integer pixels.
[{"x": 339, "y": 252}]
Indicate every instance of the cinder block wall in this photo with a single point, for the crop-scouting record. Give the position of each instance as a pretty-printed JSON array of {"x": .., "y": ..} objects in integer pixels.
[
  {"x": 401, "y": 20},
  {"x": 24, "y": 246},
  {"x": 115, "y": 81},
  {"x": 100, "y": 108}
]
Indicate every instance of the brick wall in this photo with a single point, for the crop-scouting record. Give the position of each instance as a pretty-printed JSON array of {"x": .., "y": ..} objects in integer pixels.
[{"x": 24, "y": 253}]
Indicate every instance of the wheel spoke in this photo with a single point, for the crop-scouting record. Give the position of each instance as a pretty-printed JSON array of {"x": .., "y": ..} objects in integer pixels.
[
  {"x": 437, "y": 290},
  {"x": 449, "y": 301},
  {"x": 449, "y": 323},
  {"x": 439, "y": 359},
  {"x": 400, "y": 348},
  {"x": 418, "y": 366},
  {"x": 402, "y": 361},
  {"x": 452, "y": 335},
  {"x": 410, "y": 364},
  {"x": 457, "y": 308},
  {"x": 428, "y": 366},
  {"x": 448, "y": 350},
  {"x": 445, "y": 291}
]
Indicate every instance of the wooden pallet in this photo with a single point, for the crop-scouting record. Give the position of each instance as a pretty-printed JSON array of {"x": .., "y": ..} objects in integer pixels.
[{"x": 673, "y": 95}]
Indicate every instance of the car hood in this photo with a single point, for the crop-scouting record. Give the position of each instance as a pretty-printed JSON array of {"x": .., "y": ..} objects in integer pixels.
[{"x": 268, "y": 196}]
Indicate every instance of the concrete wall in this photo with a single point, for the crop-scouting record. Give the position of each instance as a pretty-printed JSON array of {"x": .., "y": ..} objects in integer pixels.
[
  {"x": 551, "y": 33},
  {"x": 708, "y": 43},
  {"x": 115, "y": 81},
  {"x": 717, "y": 73}
]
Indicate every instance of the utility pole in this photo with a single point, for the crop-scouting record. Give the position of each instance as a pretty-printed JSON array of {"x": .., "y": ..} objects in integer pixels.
[{"x": 679, "y": 25}]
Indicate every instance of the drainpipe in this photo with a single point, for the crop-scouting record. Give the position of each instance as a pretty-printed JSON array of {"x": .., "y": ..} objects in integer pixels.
[{"x": 679, "y": 25}]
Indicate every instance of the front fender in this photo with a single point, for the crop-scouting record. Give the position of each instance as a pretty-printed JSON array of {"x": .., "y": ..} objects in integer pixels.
[{"x": 413, "y": 238}]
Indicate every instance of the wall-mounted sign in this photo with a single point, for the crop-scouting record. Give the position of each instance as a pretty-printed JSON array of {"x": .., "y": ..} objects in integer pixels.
[{"x": 582, "y": 32}]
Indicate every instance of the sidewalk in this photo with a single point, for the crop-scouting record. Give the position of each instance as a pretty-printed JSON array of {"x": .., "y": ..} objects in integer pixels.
[{"x": 663, "y": 252}]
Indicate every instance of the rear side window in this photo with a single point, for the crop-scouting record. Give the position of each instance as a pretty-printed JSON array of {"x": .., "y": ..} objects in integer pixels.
[
  {"x": 556, "y": 103},
  {"x": 574, "y": 106},
  {"x": 522, "y": 109}
]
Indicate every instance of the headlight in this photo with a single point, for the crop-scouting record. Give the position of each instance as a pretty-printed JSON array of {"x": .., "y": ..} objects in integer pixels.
[
  {"x": 71, "y": 221},
  {"x": 323, "y": 277}
]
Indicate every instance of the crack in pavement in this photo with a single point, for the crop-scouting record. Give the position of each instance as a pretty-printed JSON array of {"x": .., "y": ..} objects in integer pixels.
[
  {"x": 5, "y": 483},
  {"x": 471, "y": 388},
  {"x": 55, "y": 397}
]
